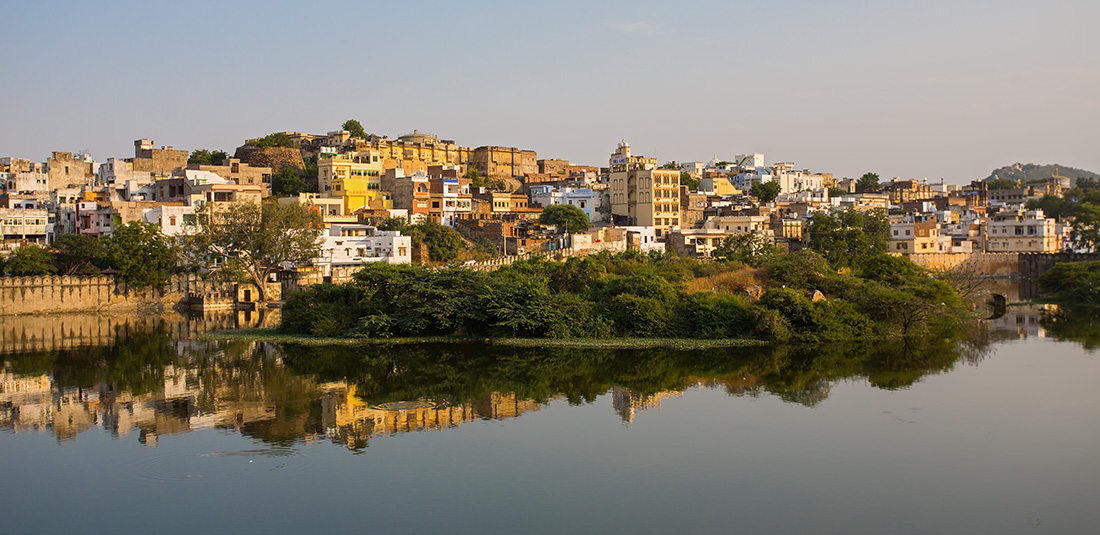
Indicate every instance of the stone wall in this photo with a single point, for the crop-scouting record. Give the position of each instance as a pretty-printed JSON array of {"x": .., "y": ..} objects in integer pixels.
[
  {"x": 276, "y": 158},
  {"x": 54, "y": 294},
  {"x": 986, "y": 264},
  {"x": 56, "y": 332},
  {"x": 1032, "y": 265}
]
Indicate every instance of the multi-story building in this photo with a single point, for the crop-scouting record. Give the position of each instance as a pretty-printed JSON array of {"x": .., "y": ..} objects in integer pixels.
[
  {"x": 155, "y": 162},
  {"x": 365, "y": 166},
  {"x": 901, "y": 191},
  {"x": 741, "y": 224},
  {"x": 21, "y": 225},
  {"x": 587, "y": 200},
  {"x": 410, "y": 193},
  {"x": 499, "y": 162},
  {"x": 1022, "y": 231},
  {"x": 239, "y": 173},
  {"x": 643, "y": 195},
  {"x": 68, "y": 171},
  {"x": 915, "y": 235},
  {"x": 355, "y": 245},
  {"x": 329, "y": 209}
]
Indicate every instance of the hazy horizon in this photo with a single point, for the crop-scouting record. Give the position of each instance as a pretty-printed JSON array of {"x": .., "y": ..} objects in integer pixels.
[{"x": 930, "y": 90}]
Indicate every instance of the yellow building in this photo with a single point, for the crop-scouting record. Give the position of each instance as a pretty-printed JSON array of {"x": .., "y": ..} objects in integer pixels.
[
  {"x": 364, "y": 165},
  {"x": 642, "y": 194},
  {"x": 361, "y": 192}
]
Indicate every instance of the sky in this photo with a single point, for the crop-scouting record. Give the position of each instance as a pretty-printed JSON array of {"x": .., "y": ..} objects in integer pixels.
[{"x": 934, "y": 89}]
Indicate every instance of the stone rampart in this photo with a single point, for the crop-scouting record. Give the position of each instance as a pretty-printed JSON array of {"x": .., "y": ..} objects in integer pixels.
[
  {"x": 984, "y": 264},
  {"x": 58, "y": 294}
]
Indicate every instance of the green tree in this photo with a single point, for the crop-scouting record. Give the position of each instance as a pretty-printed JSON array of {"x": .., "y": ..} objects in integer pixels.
[
  {"x": 354, "y": 128},
  {"x": 837, "y": 192},
  {"x": 256, "y": 239},
  {"x": 30, "y": 261},
  {"x": 278, "y": 139},
  {"x": 78, "y": 254},
  {"x": 670, "y": 165},
  {"x": 199, "y": 156},
  {"x": 765, "y": 191},
  {"x": 141, "y": 254},
  {"x": 849, "y": 238},
  {"x": 287, "y": 183},
  {"x": 476, "y": 180},
  {"x": 1085, "y": 231},
  {"x": 750, "y": 249},
  {"x": 687, "y": 180},
  {"x": 443, "y": 243},
  {"x": 566, "y": 217},
  {"x": 203, "y": 156},
  {"x": 867, "y": 183},
  {"x": 1002, "y": 183}
]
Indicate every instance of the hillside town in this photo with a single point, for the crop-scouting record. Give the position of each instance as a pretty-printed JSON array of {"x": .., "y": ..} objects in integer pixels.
[{"x": 494, "y": 195}]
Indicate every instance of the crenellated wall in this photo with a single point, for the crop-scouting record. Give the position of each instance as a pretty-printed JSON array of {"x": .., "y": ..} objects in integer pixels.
[
  {"x": 54, "y": 294},
  {"x": 987, "y": 264}
]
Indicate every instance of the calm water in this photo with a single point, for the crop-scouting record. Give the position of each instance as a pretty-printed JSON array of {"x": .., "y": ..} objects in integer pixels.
[{"x": 997, "y": 432}]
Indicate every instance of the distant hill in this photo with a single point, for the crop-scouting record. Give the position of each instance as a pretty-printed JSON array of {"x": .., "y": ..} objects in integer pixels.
[{"x": 1034, "y": 173}]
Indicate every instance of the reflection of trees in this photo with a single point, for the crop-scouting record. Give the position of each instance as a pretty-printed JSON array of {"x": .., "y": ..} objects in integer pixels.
[
  {"x": 460, "y": 374},
  {"x": 1078, "y": 325},
  {"x": 283, "y": 393}
]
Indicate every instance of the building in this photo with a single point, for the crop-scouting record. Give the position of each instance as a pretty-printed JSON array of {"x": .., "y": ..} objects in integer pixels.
[
  {"x": 916, "y": 235},
  {"x": 154, "y": 162},
  {"x": 1022, "y": 231},
  {"x": 356, "y": 245},
  {"x": 641, "y": 194},
  {"x": 589, "y": 201},
  {"x": 365, "y": 166},
  {"x": 501, "y": 162},
  {"x": 239, "y": 173},
  {"x": 410, "y": 193}
]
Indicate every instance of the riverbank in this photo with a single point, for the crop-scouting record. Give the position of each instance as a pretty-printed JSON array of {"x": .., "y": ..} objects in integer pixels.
[{"x": 273, "y": 335}]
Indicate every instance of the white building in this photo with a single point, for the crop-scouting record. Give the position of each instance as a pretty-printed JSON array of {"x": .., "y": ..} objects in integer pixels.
[
  {"x": 590, "y": 201},
  {"x": 1022, "y": 231},
  {"x": 356, "y": 245}
]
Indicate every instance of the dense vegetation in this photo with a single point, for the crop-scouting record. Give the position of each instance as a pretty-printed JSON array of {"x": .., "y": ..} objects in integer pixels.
[
  {"x": 139, "y": 252},
  {"x": 631, "y": 295},
  {"x": 1074, "y": 284}
]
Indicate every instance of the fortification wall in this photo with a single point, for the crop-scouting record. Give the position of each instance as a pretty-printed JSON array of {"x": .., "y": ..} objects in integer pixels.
[
  {"x": 987, "y": 264},
  {"x": 56, "y": 294}
]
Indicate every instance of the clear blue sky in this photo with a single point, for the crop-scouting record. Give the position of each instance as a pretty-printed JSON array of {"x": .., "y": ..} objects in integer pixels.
[{"x": 947, "y": 89}]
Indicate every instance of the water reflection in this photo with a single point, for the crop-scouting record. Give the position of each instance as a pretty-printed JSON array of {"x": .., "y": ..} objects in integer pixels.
[{"x": 152, "y": 383}]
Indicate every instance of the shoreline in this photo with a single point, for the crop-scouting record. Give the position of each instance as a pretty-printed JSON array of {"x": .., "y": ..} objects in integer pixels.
[{"x": 270, "y": 334}]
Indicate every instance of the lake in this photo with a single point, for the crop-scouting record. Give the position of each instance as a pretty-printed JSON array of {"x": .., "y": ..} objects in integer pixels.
[{"x": 142, "y": 427}]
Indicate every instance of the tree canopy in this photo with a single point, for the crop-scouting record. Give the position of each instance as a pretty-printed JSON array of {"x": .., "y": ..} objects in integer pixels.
[
  {"x": 30, "y": 261},
  {"x": 849, "y": 238},
  {"x": 354, "y": 128},
  {"x": 203, "y": 156},
  {"x": 687, "y": 180},
  {"x": 278, "y": 139},
  {"x": 765, "y": 191},
  {"x": 78, "y": 254},
  {"x": 867, "y": 183},
  {"x": 142, "y": 255},
  {"x": 566, "y": 217},
  {"x": 750, "y": 249},
  {"x": 251, "y": 241},
  {"x": 287, "y": 183}
]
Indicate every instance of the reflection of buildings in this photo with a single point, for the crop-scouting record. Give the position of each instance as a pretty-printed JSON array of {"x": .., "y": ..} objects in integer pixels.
[
  {"x": 626, "y": 401},
  {"x": 1023, "y": 321},
  {"x": 348, "y": 420},
  {"x": 228, "y": 395},
  {"x": 54, "y": 332}
]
